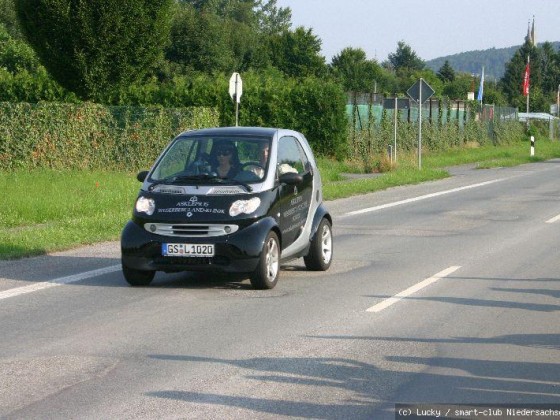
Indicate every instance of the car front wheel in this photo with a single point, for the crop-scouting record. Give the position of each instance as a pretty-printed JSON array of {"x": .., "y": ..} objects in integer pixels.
[
  {"x": 321, "y": 249},
  {"x": 268, "y": 268},
  {"x": 137, "y": 277}
]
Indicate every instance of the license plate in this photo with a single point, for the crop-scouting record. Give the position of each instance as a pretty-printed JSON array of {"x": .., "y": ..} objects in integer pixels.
[{"x": 187, "y": 250}]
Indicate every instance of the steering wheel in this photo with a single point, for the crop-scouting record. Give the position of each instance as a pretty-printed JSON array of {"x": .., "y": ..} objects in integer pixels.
[{"x": 252, "y": 165}]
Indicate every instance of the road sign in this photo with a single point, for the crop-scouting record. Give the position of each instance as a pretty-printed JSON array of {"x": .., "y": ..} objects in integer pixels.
[
  {"x": 402, "y": 103},
  {"x": 420, "y": 91},
  {"x": 235, "y": 91},
  {"x": 235, "y": 87}
]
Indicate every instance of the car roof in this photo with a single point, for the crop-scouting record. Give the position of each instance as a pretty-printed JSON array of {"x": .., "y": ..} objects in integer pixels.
[{"x": 235, "y": 131}]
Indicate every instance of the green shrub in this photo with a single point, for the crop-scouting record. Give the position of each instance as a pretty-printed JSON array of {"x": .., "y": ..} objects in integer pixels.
[
  {"x": 90, "y": 136},
  {"x": 316, "y": 107}
]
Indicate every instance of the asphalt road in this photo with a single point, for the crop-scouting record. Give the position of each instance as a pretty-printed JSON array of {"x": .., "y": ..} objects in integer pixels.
[{"x": 442, "y": 293}]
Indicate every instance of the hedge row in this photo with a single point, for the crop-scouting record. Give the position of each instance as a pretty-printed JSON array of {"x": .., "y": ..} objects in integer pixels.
[
  {"x": 91, "y": 136},
  {"x": 312, "y": 106}
]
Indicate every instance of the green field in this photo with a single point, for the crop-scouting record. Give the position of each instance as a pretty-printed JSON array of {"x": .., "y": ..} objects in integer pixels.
[{"x": 46, "y": 210}]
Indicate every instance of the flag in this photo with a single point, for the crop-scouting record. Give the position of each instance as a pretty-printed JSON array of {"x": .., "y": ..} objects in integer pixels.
[
  {"x": 526, "y": 79},
  {"x": 481, "y": 87}
]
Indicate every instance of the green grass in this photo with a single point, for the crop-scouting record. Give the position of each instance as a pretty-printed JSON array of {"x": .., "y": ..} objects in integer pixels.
[
  {"x": 492, "y": 157},
  {"x": 46, "y": 210},
  {"x": 401, "y": 176}
]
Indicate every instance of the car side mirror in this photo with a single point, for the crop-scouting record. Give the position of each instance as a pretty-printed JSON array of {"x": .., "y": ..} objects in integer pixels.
[
  {"x": 290, "y": 178},
  {"x": 142, "y": 176}
]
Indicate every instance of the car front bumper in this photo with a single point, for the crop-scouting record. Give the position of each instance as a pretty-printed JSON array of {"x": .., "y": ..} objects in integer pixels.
[{"x": 235, "y": 253}]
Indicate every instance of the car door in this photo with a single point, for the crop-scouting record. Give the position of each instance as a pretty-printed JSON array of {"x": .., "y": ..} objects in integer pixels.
[{"x": 295, "y": 200}]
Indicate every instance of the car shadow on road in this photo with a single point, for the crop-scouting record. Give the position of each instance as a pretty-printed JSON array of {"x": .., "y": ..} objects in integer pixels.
[{"x": 58, "y": 268}]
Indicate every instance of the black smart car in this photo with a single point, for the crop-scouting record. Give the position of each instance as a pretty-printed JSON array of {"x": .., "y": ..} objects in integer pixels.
[{"x": 238, "y": 200}]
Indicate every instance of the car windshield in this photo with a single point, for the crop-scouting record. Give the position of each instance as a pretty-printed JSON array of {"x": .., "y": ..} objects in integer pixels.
[{"x": 211, "y": 160}]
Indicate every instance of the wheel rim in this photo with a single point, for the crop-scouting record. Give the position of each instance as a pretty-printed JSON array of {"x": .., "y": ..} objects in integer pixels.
[
  {"x": 326, "y": 244},
  {"x": 272, "y": 260}
]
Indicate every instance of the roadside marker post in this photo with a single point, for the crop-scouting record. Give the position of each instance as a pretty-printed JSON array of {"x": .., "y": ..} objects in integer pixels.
[
  {"x": 395, "y": 104},
  {"x": 532, "y": 146}
]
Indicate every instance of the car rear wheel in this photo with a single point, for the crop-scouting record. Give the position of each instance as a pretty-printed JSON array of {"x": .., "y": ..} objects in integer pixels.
[
  {"x": 268, "y": 269},
  {"x": 321, "y": 249},
  {"x": 137, "y": 277}
]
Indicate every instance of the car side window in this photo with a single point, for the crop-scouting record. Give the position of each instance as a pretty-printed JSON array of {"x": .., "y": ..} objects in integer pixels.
[{"x": 291, "y": 157}]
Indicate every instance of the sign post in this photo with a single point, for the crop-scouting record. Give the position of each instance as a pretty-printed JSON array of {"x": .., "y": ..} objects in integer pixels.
[
  {"x": 396, "y": 104},
  {"x": 420, "y": 92},
  {"x": 235, "y": 91}
]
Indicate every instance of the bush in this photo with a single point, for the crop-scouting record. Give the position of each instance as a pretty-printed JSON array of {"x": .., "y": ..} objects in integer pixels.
[
  {"x": 315, "y": 107},
  {"x": 90, "y": 136}
]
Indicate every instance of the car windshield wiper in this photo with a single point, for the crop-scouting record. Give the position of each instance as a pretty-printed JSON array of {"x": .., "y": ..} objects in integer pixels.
[{"x": 173, "y": 179}]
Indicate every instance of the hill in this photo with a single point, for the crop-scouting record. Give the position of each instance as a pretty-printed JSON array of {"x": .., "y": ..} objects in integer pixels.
[{"x": 493, "y": 60}]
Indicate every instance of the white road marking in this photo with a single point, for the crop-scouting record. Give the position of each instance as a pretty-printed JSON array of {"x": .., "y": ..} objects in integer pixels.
[
  {"x": 58, "y": 282},
  {"x": 413, "y": 289},
  {"x": 422, "y": 197},
  {"x": 554, "y": 219}
]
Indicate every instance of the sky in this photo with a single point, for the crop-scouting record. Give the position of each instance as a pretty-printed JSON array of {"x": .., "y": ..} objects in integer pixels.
[{"x": 432, "y": 28}]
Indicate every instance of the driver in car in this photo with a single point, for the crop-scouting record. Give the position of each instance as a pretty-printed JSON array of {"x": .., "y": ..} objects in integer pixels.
[{"x": 225, "y": 160}]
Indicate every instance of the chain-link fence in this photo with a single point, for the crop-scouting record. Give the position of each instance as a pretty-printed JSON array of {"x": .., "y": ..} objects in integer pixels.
[{"x": 449, "y": 123}]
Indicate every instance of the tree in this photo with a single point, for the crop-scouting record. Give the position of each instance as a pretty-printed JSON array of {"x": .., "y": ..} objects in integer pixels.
[
  {"x": 217, "y": 36},
  {"x": 405, "y": 58},
  {"x": 199, "y": 41},
  {"x": 96, "y": 48},
  {"x": 458, "y": 88},
  {"x": 512, "y": 81},
  {"x": 355, "y": 72},
  {"x": 272, "y": 19},
  {"x": 446, "y": 72},
  {"x": 8, "y": 18},
  {"x": 297, "y": 53},
  {"x": 550, "y": 69}
]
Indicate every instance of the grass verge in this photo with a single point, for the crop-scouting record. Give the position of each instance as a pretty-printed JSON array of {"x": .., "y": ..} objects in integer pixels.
[{"x": 46, "y": 210}]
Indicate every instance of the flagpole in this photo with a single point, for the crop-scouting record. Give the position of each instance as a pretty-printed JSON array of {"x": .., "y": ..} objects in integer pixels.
[
  {"x": 481, "y": 87},
  {"x": 528, "y": 89}
]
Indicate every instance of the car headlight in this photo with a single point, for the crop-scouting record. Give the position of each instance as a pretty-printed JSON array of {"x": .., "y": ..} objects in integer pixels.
[
  {"x": 145, "y": 205},
  {"x": 244, "y": 206}
]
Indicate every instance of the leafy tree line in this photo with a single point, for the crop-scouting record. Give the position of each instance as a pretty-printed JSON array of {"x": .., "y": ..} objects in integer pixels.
[
  {"x": 102, "y": 49},
  {"x": 182, "y": 52}
]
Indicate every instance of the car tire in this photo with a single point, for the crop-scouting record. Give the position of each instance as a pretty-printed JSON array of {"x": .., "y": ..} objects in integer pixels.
[
  {"x": 137, "y": 277},
  {"x": 268, "y": 269},
  {"x": 320, "y": 253}
]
